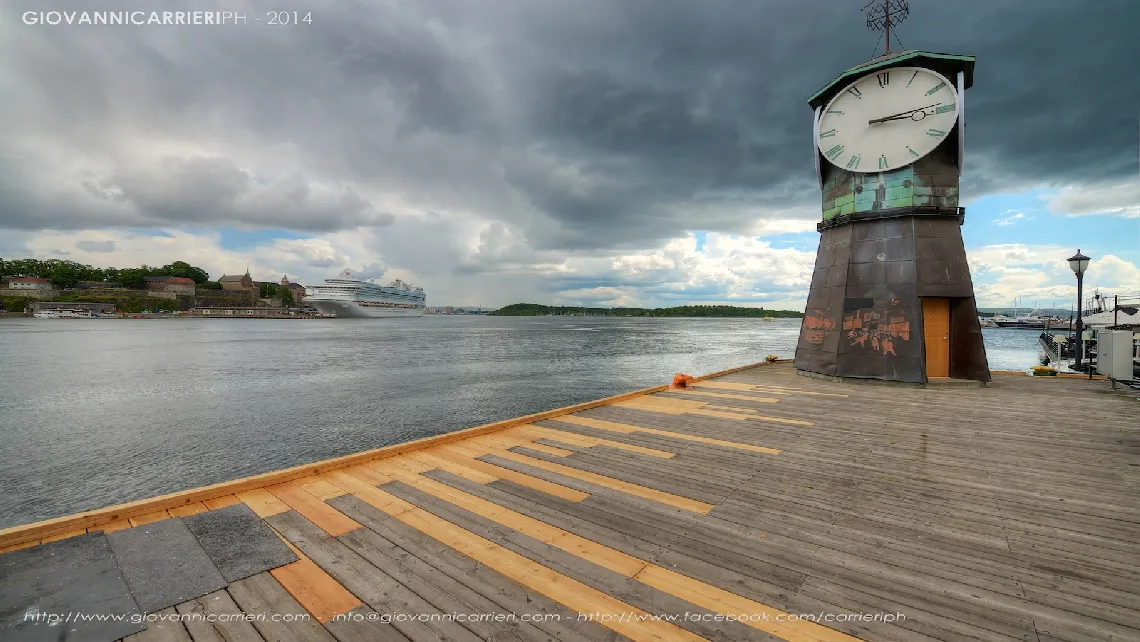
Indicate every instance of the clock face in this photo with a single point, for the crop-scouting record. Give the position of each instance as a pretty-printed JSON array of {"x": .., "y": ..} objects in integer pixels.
[{"x": 887, "y": 119}]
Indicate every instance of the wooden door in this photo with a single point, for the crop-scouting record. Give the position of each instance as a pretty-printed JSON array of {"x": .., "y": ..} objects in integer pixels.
[{"x": 936, "y": 335}]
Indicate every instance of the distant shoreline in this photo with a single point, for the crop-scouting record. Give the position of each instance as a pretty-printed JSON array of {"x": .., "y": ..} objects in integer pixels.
[{"x": 688, "y": 311}]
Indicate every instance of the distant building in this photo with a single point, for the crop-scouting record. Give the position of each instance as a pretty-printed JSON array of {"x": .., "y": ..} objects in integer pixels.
[
  {"x": 243, "y": 283},
  {"x": 28, "y": 283},
  {"x": 93, "y": 308},
  {"x": 447, "y": 309},
  {"x": 174, "y": 284},
  {"x": 296, "y": 289}
]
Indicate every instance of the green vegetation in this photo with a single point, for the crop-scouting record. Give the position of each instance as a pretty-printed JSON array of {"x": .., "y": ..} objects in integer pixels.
[
  {"x": 123, "y": 303},
  {"x": 270, "y": 290},
  {"x": 534, "y": 310},
  {"x": 65, "y": 274}
]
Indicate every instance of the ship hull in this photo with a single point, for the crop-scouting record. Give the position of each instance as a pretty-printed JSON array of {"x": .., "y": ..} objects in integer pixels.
[{"x": 353, "y": 310}]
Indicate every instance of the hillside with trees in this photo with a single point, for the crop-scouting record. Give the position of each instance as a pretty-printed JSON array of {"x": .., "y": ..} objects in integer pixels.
[
  {"x": 537, "y": 310},
  {"x": 65, "y": 274}
]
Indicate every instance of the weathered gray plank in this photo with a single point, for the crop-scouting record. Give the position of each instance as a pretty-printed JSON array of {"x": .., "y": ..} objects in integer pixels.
[{"x": 263, "y": 598}]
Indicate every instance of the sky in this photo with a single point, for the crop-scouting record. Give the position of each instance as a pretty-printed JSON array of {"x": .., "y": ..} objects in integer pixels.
[{"x": 575, "y": 152}]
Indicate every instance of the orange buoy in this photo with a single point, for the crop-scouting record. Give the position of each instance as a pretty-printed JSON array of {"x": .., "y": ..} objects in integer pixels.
[{"x": 680, "y": 381}]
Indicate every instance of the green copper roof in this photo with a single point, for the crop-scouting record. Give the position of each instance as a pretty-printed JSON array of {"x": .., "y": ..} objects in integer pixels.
[{"x": 947, "y": 64}]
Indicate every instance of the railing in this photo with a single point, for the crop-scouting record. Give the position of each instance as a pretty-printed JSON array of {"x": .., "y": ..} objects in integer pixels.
[{"x": 1056, "y": 351}]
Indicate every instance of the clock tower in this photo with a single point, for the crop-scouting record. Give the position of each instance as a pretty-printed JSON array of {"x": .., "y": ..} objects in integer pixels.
[{"x": 891, "y": 296}]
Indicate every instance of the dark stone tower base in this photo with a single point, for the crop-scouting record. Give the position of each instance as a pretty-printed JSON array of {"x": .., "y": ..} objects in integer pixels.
[{"x": 875, "y": 273}]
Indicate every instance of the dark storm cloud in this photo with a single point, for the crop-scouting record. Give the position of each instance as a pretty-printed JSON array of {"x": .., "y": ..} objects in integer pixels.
[{"x": 584, "y": 124}]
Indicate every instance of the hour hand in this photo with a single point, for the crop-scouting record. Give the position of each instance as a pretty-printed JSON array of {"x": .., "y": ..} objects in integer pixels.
[{"x": 900, "y": 115}]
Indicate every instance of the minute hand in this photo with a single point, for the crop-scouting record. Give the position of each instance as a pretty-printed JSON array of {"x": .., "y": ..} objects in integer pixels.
[{"x": 900, "y": 115}]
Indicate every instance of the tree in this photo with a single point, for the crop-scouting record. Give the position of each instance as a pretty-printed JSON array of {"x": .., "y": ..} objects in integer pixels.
[{"x": 286, "y": 296}]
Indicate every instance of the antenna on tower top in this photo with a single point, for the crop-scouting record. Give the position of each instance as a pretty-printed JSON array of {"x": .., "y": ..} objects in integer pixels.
[{"x": 881, "y": 14}]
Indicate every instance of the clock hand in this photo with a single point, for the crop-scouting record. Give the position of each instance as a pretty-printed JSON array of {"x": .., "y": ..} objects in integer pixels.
[{"x": 900, "y": 115}]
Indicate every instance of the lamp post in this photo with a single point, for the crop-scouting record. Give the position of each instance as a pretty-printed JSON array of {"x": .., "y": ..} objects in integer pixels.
[{"x": 1079, "y": 262}]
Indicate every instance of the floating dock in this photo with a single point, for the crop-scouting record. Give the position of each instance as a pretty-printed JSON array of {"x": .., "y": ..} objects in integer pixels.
[{"x": 757, "y": 505}]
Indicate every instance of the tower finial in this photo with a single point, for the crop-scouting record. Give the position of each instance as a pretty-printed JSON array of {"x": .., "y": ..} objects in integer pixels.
[{"x": 881, "y": 14}]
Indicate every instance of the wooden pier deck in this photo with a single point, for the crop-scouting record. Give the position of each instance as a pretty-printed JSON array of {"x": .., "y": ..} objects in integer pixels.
[{"x": 759, "y": 505}]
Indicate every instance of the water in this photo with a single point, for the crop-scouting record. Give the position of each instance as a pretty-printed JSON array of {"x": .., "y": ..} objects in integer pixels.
[{"x": 99, "y": 412}]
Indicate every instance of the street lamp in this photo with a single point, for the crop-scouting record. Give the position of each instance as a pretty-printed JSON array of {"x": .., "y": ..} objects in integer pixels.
[{"x": 1079, "y": 262}]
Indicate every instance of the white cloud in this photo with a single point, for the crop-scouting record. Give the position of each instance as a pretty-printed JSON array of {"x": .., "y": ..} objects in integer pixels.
[
  {"x": 1010, "y": 217},
  {"x": 1040, "y": 274},
  {"x": 1118, "y": 199}
]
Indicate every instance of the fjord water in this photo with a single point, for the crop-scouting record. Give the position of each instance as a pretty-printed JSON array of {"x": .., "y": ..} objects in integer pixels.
[{"x": 99, "y": 412}]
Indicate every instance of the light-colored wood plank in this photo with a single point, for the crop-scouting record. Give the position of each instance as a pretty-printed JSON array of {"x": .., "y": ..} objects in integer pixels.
[
  {"x": 111, "y": 527},
  {"x": 16, "y": 547},
  {"x": 609, "y": 482},
  {"x": 56, "y": 538},
  {"x": 556, "y": 586},
  {"x": 567, "y": 437},
  {"x": 723, "y": 395},
  {"x": 262, "y": 502},
  {"x": 550, "y": 450},
  {"x": 725, "y": 385},
  {"x": 188, "y": 509},
  {"x": 794, "y": 391},
  {"x": 321, "y": 595},
  {"x": 454, "y": 468},
  {"x": 351, "y": 482},
  {"x": 720, "y": 601},
  {"x": 629, "y": 428},
  {"x": 149, "y": 518},
  {"x": 316, "y": 511},
  {"x": 221, "y": 502},
  {"x": 319, "y": 488},
  {"x": 365, "y": 472},
  {"x": 550, "y": 488}
]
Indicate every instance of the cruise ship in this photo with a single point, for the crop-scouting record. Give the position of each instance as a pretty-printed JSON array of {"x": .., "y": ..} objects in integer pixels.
[{"x": 346, "y": 296}]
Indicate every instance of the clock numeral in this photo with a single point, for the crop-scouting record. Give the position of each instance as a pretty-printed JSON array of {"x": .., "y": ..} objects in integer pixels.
[
  {"x": 942, "y": 109},
  {"x": 830, "y": 132},
  {"x": 834, "y": 152},
  {"x": 912, "y": 152},
  {"x": 883, "y": 164},
  {"x": 854, "y": 91},
  {"x": 935, "y": 88},
  {"x": 854, "y": 162},
  {"x": 883, "y": 78},
  {"x": 935, "y": 132},
  {"x": 837, "y": 112},
  {"x": 912, "y": 79}
]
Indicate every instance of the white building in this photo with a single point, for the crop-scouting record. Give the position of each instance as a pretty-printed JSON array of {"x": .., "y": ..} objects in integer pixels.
[{"x": 28, "y": 283}]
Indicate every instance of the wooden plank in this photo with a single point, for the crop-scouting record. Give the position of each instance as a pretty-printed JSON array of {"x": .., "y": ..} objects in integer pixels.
[
  {"x": 498, "y": 472},
  {"x": 262, "y": 502},
  {"x": 322, "y": 596},
  {"x": 572, "y": 593},
  {"x": 572, "y": 438},
  {"x": 603, "y": 556},
  {"x": 215, "y": 617},
  {"x": 609, "y": 482},
  {"x": 16, "y": 547},
  {"x": 162, "y": 627},
  {"x": 317, "y": 512},
  {"x": 188, "y": 509},
  {"x": 509, "y": 595},
  {"x": 55, "y": 538},
  {"x": 262, "y": 594},
  {"x": 548, "y": 449},
  {"x": 111, "y": 527},
  {"x": 319, "y": 488},
  {"x": 371, "y": 584},
  {"x": 149, "y": 518},
  {"x": 365, "y": 490},
  {"x": 721, "y": 395},
  {"x": 435, "y": 461},
  {"x": 721, "y": 601},
  {"x": 215, "y": 503},
  {"x": 613, "y": 426}
]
